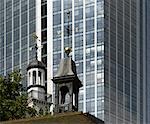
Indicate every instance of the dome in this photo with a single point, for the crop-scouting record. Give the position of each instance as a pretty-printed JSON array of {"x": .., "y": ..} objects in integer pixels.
[{"x": 36, "y": 64}]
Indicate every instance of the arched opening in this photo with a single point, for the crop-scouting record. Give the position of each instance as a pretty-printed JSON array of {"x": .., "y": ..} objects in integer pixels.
[
  {"x": 64, "y": 94},
  {"x": 39, "y": 77},
  {"x": 34, "y": 77},
  {"x": 29, "y": 78}
]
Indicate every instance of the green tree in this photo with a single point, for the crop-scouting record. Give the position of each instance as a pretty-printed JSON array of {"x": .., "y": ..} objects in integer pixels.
[
  {"x": 41, "y": 112},
  {"x": 31, "y": 112},
  {"x": 13, "y": 103},
  {"x": 46, "y": 110}
]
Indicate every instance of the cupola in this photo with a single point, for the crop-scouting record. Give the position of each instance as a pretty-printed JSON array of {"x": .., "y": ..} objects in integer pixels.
[
  {"x": 36, "y": 79},
  {"x": 36, "y": 85},
  {"x": 67, "y": 85}
]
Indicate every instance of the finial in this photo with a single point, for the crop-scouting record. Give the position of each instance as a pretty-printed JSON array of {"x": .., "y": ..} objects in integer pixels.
[
  {"x": 68, "y": 50},
  {"x": 36, "y": 46}
]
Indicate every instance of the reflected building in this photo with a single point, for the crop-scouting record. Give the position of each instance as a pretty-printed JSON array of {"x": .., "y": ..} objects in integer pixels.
[
  {"x": 17, "y": 23},
  {"x": 108, "y": 42},
  {"x": 108, "y": 39}
]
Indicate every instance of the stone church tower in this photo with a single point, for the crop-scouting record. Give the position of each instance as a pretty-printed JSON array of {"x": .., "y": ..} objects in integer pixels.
[
  {"x": 36, "y": 86},
  {"x": 67, "y": 86}
]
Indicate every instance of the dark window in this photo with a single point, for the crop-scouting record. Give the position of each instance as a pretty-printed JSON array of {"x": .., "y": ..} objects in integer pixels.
[
  {"x": 29, "y": 77},
  {"x": 44, "y": 36},
  {"x": 44, "y": 23},
  {"x": 44, "y": 49},
  {"x": 34, "y": 77},
  {"x": 44, "y": 10},
  {"x": 39, "y": 76},
  {"x": 44, "y": 60}
]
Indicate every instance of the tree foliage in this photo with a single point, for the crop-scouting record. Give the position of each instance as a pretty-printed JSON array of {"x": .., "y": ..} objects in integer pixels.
[
  {"x": 46, "y": 110},
  {"x": 13, "y": 102},
  {"x": 41, "y": 112}
]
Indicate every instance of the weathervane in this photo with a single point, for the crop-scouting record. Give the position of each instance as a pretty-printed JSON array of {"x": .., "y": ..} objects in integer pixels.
[
  {"x": 36, "y": 46},
  {"x": 68, "y": 50},
  {"x": 68, "y": 28}
]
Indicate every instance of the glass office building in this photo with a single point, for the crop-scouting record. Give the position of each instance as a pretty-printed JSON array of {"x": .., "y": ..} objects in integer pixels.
[
  {"x": 86, "y": 23},
  {"x": 108, "y": 42},
  {"x": 125, "y": 85},
  {"x": 17, "y": 23},
  {"x": 148, "y": 58},
  {"x": 108, "y": 39}
]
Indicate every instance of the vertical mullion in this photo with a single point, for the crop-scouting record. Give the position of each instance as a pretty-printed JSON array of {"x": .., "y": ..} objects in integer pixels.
[
  {"x": 73, "y": 29},
  {"x": 116, "y": 61},
  {"x": 130, "y": 65},
  {"x": 95, "y": 58},
  {"x": 109, "y": 59},
  {"x": 62, "y": 29},
  {"x": 4, "y": 37},
  {"x": 20, "y": 36},
  {"x": 84, "y": 59},
  {"x": 28, "y": 55},
  {"x": 12, "y": 38}
]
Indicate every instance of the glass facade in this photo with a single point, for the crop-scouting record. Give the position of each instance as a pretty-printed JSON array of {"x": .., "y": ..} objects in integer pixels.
[
  {"x": 121, "y": 62},
  {"x": 104, "y": 36},
  {"x": 44, "y": 30},
  {"x": 108, "y": 42},
  {"x": 17, "y": 24},
  {"x": 148, "y": 57},
  {"x": 86, "y": 23}
]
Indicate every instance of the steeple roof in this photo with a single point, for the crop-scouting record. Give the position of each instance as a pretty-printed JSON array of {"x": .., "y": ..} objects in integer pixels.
[
  {"x": 67, "y": 70},
  {"x": 36, "y": 64}
]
